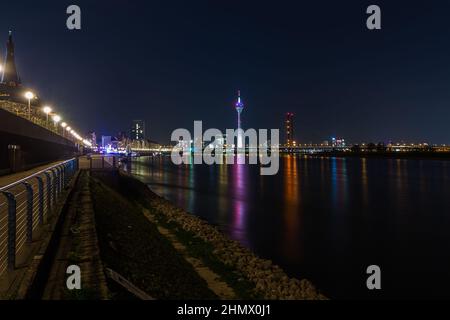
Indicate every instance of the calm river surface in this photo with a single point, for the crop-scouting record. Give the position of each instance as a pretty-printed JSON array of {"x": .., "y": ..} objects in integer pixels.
[{"x": 327, "y": 219}]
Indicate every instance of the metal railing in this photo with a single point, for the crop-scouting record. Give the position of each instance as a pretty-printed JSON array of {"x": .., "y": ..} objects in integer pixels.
[
  {"x": 100, "y": 162},
  {"x": 26, "y": 205}
]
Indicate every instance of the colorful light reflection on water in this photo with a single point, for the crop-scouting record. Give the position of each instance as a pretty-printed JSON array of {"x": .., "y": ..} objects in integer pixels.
[{"x": 326, "y": 219}]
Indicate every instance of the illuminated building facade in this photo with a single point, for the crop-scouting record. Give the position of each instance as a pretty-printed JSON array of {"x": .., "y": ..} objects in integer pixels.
[{"x": 289, "y": 129}]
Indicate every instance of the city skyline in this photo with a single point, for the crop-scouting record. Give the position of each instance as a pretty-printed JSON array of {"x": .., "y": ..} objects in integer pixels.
[
  {"x": 332, "y": 89},
  {"x": 222, "y": 156}
]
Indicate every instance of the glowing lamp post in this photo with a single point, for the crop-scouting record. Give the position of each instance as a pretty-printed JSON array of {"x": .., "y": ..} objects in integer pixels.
[
  {"x": 29, "y": 95},
  {"x": 68, "y": 129},
  {"x": 56, "y": 119},
  {"x": 64, "y": 125},
  {"x": 47, "y": 110}
]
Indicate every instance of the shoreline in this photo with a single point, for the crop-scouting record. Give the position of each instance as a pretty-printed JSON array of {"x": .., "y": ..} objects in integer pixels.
[
  {"x": 215, "y": 249},
  {"x": 444, "y": 156}
]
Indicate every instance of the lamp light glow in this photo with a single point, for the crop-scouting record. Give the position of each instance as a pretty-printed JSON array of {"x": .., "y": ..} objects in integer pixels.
[
  {"x": 56, "y": 118},
  {"x": 29, "y": 95},
  {"x": 47, "y": 109}
]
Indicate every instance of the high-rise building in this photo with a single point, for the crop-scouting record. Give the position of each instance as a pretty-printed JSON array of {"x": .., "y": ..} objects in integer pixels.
[
  {"x": 138, "y": 130},
  {"x": 239, "y": 106},
  {"x": 92, "y": 138},
  {"x": 106, "y": 142},
  {"x": 10, "y": 76},
  {"x": 289, "y": 129}
]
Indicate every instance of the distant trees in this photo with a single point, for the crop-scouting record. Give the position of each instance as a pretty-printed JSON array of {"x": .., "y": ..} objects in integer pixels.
[
  {"x": 370, "y": 147},
  {"x": 356, "y": 148}
]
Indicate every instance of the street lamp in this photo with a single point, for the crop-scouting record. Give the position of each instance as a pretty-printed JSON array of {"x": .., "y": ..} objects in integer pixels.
[
  {"x": 68, "y": 130},
  {"x": 56, "y": 119},
  {"x": 47, "y": 110},
  {"x": 29, "y": 95}
]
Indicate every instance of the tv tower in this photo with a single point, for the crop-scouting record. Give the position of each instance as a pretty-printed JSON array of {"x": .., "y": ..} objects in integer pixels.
[{"x": 239, "y": 107}]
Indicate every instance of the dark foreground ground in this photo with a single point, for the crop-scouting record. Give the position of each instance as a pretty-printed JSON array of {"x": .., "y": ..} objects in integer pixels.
[
  {"x": 134, "y": 248},
  {"x": 131, "y": 244}
]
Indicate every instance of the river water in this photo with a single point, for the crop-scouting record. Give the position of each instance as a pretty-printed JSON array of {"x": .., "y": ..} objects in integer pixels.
[{"x": 327, "y": 219}]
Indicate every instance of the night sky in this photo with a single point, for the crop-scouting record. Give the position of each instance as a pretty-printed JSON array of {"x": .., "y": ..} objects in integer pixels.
[{"x": 173, "y": 62}]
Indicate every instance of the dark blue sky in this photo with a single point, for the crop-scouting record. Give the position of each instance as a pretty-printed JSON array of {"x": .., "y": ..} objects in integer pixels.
[{"x": 173, "y": 62}]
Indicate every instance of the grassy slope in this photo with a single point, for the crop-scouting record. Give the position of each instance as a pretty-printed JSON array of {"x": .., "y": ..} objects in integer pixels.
[
  {"x": 133, "y": 247},
  {"x": 139, "y": 193}
]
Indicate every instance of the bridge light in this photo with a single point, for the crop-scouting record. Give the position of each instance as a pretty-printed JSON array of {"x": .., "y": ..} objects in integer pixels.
[
  {"x": 47, "y": 109},
  {"x": 63, "y": 124},
  {"x": 68, "y": 128},
  {"x": 29, "y": 95},
  {"x": 56, "y": 118}
]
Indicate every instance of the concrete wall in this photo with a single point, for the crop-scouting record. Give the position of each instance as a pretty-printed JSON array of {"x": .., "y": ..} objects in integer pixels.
[{"x": 37, "y": 145}]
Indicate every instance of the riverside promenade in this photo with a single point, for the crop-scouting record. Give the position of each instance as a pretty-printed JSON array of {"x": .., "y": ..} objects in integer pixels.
[{"x": 129, "y": 243}]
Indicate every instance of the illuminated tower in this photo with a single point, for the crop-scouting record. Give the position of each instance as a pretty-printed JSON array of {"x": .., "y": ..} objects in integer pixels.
[
  {"x": 289, "y": 129},
  {"x": 239, "y": 107},
  {"x": 10, "y": 76}
]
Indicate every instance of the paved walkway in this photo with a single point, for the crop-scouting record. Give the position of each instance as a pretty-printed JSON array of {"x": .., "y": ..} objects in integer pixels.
[{"x": 11, "y": 178}]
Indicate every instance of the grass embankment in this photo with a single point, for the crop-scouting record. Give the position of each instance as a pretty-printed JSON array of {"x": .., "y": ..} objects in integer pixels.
[
  {"x": 138, "y": 193},
  {"x": 132, "y": 246}
]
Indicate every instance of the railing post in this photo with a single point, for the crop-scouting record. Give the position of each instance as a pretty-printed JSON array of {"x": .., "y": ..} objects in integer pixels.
[
  {"x": 75, "y": 165},
  {"x": 61, "y": 179},
  {"x": 29, "y": 211},
  {"x": 41, "y": 199},
  {"x": 11, "y": 230},
  {"x": 53, "y": 187},
  {"x": 103, "y": 162},
  {"x": 69, "y": 169},
  {"x": 58, "y": 180}
]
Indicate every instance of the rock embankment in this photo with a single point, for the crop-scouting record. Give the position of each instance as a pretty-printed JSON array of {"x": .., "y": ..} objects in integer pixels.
[{"x": 270, "y": 280}]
